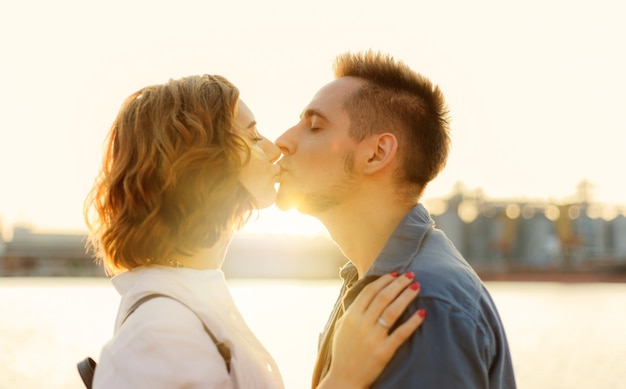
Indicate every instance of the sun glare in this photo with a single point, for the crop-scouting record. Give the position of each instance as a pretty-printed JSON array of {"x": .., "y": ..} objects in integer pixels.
[{"x": 274, "y": 221}]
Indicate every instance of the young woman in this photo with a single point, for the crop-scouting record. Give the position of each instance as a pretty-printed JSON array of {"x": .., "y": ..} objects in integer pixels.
[{"x": 184, "y": 168}]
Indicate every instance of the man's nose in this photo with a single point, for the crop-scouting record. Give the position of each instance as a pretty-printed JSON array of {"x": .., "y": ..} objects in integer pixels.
[{"x": 285, "y": 142}]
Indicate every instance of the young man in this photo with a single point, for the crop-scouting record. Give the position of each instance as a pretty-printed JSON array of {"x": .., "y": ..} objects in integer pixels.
[{"x": 359, "y": 160}]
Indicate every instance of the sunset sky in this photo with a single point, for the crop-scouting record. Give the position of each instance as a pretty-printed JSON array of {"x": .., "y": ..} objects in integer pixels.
[{"x": 536, "y": 88}]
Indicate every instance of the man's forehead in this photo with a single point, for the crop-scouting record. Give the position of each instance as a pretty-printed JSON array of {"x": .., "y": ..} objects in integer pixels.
[
  {"x": 331, "y": 96},
  {"x": 340, "y": 87}
]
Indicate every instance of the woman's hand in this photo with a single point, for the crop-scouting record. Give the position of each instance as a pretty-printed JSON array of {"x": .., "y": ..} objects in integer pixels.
[{"x": 362, "y": 345}]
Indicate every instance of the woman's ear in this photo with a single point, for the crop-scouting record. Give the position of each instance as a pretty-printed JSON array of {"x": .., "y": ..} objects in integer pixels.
[{"x": 383, "y": 151}]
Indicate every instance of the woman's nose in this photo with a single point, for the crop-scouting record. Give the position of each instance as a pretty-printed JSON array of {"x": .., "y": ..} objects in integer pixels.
[{"x": 271, "y": 150}]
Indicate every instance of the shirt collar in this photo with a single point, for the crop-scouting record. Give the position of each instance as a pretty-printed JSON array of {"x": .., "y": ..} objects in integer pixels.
[
  {"x": 397, "y": 254},
  {"x": 404, "y": 242}
]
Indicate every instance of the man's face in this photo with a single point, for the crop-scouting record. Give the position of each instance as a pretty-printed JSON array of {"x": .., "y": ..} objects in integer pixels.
[{"x": 318, "y": 162}]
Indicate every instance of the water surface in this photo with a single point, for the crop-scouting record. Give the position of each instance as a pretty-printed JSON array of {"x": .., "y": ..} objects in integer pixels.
[{"x": 561, "y": 335}]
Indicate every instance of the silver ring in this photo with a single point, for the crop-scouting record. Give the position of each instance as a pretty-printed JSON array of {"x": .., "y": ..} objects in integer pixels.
[{"x": 383, "y": 323}]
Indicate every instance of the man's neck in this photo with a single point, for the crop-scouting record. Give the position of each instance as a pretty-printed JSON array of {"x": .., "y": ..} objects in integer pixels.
[{"x": 362, "y": 230}]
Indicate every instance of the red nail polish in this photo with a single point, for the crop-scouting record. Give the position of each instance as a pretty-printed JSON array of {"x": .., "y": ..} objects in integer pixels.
[
  {"x": 409, "y": 275},
  {"x": 394, "y": 273},
  {"x": 415, "y": 285},
  {"x": 421, "y": 312}
]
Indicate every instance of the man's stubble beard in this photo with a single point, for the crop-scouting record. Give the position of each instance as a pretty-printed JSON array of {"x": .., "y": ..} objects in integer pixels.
[{"x": 314, "y": 203}]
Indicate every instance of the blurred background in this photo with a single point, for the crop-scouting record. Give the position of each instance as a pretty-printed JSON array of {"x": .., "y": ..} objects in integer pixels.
[{"x": 531, "y": 195}]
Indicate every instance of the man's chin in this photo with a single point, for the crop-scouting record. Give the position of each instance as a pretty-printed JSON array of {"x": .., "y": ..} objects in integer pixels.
[
  {"x": 283, "y": 207},
  {"x": 285, "y": 202}
]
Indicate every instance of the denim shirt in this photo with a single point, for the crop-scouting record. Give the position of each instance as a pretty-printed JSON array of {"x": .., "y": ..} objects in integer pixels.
[{"x": 462, "y": 343}]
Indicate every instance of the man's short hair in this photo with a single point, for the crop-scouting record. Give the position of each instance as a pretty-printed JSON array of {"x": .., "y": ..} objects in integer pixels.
[{"x": 399, "y": 100}]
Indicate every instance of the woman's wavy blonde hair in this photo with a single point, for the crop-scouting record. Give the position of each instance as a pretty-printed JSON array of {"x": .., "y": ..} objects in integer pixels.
[{"x": 169, "y": 177}]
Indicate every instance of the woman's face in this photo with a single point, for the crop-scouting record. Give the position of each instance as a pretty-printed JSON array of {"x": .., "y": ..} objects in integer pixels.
[{"x": 260, "y": 174}]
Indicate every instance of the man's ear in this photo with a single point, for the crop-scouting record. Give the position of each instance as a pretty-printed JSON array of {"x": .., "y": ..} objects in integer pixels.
[{"x": 382, "y": 151}]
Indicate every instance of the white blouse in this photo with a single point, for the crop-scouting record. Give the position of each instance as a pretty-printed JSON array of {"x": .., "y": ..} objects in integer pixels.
[{"x": 163, "y": 344}]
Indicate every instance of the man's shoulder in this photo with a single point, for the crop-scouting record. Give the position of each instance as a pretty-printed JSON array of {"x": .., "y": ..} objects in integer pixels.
[{"x": 446, "y": 277}]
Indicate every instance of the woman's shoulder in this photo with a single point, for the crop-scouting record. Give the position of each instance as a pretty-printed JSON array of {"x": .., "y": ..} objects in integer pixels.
[
  {"x": 162, "y": 313},
  {"x": 160, "y": 341}
]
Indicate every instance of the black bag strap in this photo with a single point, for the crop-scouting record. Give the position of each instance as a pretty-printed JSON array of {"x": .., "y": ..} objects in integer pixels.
[{"x": 87, "y": 367}]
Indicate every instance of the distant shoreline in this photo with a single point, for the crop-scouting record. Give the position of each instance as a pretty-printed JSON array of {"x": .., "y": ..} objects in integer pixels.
[{"x": 608, "y": 273}]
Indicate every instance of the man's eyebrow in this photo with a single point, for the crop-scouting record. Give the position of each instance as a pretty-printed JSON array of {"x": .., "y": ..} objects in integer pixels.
[{"x": 312, "y": 112}]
